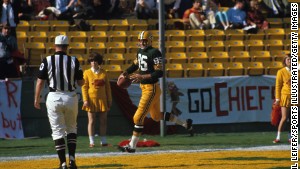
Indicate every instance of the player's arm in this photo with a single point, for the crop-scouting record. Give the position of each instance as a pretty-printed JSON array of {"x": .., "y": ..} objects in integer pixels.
[
  {"x": 42, "y": 75},
  {"x": 78, "y": 73},
  {"x": 134, "y": 67}
]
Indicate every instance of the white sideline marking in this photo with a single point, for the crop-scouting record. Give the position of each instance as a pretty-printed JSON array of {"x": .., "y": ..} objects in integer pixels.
[{"x": 106, "y": 154}]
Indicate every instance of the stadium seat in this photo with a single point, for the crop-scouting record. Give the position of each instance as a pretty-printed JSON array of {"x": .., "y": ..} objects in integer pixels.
[
  {"x": 214, "y": 45},
  {"x": 116, "y": 36},
  {"x": 195, "y": 35},
  {"x": 214, "y": 34},
  {"x": 153, "y": 24},
  {"x": 114, "y": 59},
  {"x": 137, "y": 24},
  {"x": 195, "y": 46},
  {"x": 115, "y": 47},
  {"x": 98, "y": 47},
  {"x": 174, "y": 70},
  {"x": 170, "y": 23},
  {"x": 113, "y": 71},
  {"x": 234, "y": 45},
  {"x": 260, "y": 56},
  {"x": 22, "y": 38},
  {"x": 278, "y": 55},
  {"x": 217, "y": 56},
  {"x": 155, "y": 35},
  {"x": 96, "y": 36},
  {"x": 33, "y": 52},
  {"x": 23, "y": 26},
  {"x": 77, "y": 36},
  {"x": 81, "y": 59},
  {"x": 275, "y": 33},
  {"x": 39, "y": 25},
  {"x": 287, "y": 22},
  {"x": 239, "y": 56},
  {"x": 234, "y": 68},
  {"x": 214, "y": 69},
  {"x": 287, "y": 44},
  {"x": 194, "y": 70},
  {"x": 287, "y": 32},
  {"x": 131, "y": 47},
  {"x": 254, "y": 68},
  {"x": 37, "y": 36},
  {"x": 197, "y": 57},
  {"x": 129, "y": 57},
  {"x": 50, "y": 48},
  {"x": 275, "y": 22},
  {"x": 59, "y": 25},
  {"x": 235, "y": 34},
  {"x": 77, "y": 48},
  {"x": 223, "y": 8},
  {"x": 51, "y": 35},
  {"x": 132, "y": 36},
  {"x": 260, "y": 35},
  {"x": 253, "y": 45},
  {"x": 175, "y": 46},
  {"x": 99, "y": 25},
  {"x": 273, "y": 44},
  {"x": 118, "y": 24},
  {"x": 271, "y": 68},
  {"x": 175, "y": 35},
  {"x": 176, "y": 57}
]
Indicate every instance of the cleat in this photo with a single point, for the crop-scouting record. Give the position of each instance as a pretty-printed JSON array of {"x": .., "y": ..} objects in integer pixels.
[
  {"x": 92, "y": 145},
  {"x": 126, "y": 149},
  {"x": 189, "y": 127},
  {"x": 276, "y": 141},
  {"x": 72, "y": 165},
  {"x": 106, "y": 145},
  {"x": 63, "y": 166}
]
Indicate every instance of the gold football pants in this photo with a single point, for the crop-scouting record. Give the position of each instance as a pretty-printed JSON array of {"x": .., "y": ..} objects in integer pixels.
[{"x": 150, "y": 102}]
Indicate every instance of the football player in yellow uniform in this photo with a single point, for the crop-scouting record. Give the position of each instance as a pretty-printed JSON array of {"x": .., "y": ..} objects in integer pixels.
[{"x": 148, "y": 62}]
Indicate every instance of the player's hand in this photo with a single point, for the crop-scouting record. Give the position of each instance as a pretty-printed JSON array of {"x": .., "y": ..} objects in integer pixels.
[
  {"x": 136, "y": 78},
  {"x": 86, "y": 104},
  {"x": 37, "y": 103},
  {"x": 276, "y": 102},
  {"x": 124, "y": 74}
]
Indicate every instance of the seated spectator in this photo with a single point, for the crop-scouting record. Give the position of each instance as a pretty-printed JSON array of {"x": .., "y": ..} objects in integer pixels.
[
  {"x": 100, "y": 8},
  {"x": 222, "y": 21},
  {"x": 39, "y": 5},
  {"x": 8, "y": 44},
  {"x": 8, "y": 16},
  {"x": 195, "y": 16},
  {"x": 256, "y": 17},
  {"x": 210, "y": 8},
  {"x": 26, "y": 10},
  {"x": 277, "y": 8},
  {"x": 66, "y": 9},
  {"x": 236, "y": 16},
  {"x": 145, "y": 9}
]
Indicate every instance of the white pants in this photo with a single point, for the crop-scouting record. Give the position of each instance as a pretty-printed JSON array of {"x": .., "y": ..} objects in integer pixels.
[
  {"x": 62, "y": 110},
  {"x": 195, "y": 22}
]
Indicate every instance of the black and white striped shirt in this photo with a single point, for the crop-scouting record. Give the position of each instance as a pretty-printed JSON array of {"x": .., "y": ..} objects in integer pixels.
[{"x": 61, "y": 71}]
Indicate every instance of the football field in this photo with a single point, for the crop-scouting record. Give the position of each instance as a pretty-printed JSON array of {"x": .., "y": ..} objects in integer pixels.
[{"x": 229, "y": 150}]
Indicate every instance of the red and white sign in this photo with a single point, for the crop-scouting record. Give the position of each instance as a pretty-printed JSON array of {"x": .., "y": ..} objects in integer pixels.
[
  {"x": 212, "y": 100},
  {"x": 10, "y": 115}
]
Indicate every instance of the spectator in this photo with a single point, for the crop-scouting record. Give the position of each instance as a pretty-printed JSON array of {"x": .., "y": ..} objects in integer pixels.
[
  {"x": 195, "y": 16},
  {"x": 39, "y": 5},
  {"x": 222, "y": 21},
  {"x": 97, "y": 98},
  {"x": 145, "y": 9},
  {"x": 184, "y": 5},
  {"x": 256, "y": 17},
  {"x": 9, "y": 16},
  {"x": 283, "y": 93},
  {"x": 210, "y": 8},
  {"x": 8, "y": 45},
  {"x": 66, "y": 8},
  {"x": 26, "y": 10},
  {"x": 100, "y": 8},
  {"x": 277, "y": 8},
  {"x": 171, "y": 8},
  {"x": 236, "y": 16}
]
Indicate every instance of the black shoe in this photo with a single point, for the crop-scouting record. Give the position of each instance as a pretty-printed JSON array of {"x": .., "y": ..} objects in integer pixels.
[
  {"x": 72, "y": 165},
  {"x": 189, "y": 127},
  {"x": 126, "y": 149}
]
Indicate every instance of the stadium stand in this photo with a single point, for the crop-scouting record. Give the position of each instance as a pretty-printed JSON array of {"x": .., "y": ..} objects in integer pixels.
[
  {"x": 195, "y": 35},
  {"x": 174, "y": 70},
  {"x": 99, "y": 25},
  {"x": 96, "y": 36},
  {"x": 96, "y": 47},
  {"x": 234, "y": 69},
  {"x": 254, "y": 68},
  {"x": 260, "y": 56},
  {"x": 176, "y": 57},
  {"x": 214, "y": 69},
  {"x": 194, "y": 70},
  {"x": 197, "y": 57}
]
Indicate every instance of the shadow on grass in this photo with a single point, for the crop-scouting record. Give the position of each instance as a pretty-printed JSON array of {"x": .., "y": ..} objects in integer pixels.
[
  {"x": 168, "y": 166},
  {"x": 254, "y": 158}
]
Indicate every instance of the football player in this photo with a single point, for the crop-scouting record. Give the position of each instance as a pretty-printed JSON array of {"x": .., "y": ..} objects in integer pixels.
[{"x": 148, "y": 62}]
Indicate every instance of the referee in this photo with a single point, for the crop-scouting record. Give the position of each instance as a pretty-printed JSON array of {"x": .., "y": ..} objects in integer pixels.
[{"x": 61, "y": 72}]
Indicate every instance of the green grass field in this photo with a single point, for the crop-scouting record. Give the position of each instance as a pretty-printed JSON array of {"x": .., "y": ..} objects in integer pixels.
[{"x": 45, "y": 146}]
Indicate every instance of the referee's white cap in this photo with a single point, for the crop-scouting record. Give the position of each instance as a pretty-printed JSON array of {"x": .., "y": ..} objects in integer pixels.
[{"x": 61, "y": 40}]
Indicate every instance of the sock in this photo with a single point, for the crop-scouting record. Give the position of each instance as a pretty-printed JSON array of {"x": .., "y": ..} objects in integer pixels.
[
  {"x": 278, "y": 135},
  {"x": 92, "y": 139},
  {"x": 103, "y": 140},
  {"x": 72, "y": 140},
  {"x": 133, "y": 142},
  {"x": 63, "y": 164},
  {"x": 60, "y": 147},
  {"x": 178, "y": 121}
]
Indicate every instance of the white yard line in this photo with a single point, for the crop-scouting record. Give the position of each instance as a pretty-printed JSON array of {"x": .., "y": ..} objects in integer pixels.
[{"x": 107, "y": 154}]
